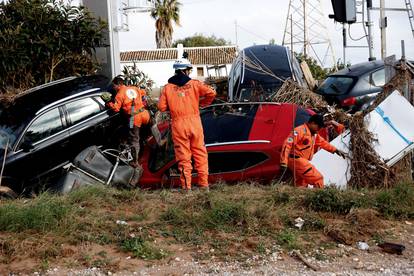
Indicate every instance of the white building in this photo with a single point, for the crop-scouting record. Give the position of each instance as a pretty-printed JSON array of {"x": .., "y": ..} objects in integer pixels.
[{"x": 158, "y": 64}]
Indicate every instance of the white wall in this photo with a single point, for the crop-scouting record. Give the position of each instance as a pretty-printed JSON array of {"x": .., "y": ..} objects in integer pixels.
[{"x": 161, "y": 71}]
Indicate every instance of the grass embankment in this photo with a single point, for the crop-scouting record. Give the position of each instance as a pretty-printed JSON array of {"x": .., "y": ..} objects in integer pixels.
[{"x": 228, "y": 222}]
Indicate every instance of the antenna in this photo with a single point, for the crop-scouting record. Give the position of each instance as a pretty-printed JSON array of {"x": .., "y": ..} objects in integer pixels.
[{"x": 306, "y": 32}]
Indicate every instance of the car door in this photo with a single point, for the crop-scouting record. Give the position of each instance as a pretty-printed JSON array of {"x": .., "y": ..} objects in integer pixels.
[
  {"x": 41, "y": 148},
  {"x": 87, "y": 121}
]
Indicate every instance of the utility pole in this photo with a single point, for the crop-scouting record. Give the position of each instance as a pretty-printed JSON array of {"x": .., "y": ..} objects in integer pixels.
[
  {"x": 344, "y": 42},
  {"x": 383, "y": 26},
  {"x": 235, "y": 27},
  {"x": 291, "y": 37},
  {"x": 370, "y": 37}
]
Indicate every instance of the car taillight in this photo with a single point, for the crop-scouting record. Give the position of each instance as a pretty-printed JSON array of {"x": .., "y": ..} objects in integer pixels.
[{"x": 348, "y": 101}]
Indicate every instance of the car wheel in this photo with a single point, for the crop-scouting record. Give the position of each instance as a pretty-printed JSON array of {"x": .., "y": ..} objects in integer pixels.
[{"x": 7, "y": 193}]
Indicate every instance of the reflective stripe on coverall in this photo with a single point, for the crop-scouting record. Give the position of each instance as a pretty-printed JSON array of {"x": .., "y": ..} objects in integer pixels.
[
  {"x": 298, "y": 150},
  {"x": 187, "y": 131}
]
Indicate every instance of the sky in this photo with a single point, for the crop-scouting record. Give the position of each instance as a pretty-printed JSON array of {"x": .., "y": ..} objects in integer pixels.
[{"x": 262, "y": 20}]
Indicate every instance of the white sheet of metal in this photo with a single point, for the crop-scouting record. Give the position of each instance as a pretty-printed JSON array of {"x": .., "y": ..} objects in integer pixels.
[{"x": 392, "y": 123}]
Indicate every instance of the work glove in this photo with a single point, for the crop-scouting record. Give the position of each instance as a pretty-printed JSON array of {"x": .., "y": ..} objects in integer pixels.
[
  {"x": 341, "y": 154},
  {"x": 106, "y": 97}
]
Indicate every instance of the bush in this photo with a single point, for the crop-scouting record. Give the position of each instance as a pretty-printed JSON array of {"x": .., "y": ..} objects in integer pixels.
[
  {"x": 397, "y": 202},
  {"x": 45, "y": 40},
  {"x": 332, "y": 200}
]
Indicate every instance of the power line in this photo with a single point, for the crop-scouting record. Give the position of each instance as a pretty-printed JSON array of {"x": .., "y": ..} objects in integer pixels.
[{"x": 252, "y": 33}]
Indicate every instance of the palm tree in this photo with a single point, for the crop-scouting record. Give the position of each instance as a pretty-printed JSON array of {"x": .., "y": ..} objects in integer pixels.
[{"x": 165, "y": 13}]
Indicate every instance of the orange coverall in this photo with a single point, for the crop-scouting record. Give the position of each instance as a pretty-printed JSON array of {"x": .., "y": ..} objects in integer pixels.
[
  {"x": 296, "y": 153},
  {"x": 187, "y": 131},
  {"x": 123, "y": 100}
]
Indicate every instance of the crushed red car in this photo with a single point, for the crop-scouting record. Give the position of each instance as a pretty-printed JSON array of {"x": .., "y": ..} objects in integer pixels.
[{"x": 243, "y": 141}]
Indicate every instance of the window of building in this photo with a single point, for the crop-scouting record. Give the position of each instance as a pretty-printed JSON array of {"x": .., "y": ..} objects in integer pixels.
[{"x": 200, "y": 71}]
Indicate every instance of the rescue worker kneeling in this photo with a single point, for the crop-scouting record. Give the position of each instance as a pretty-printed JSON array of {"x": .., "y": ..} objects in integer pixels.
[
  {"x": 129, "y": 100},
  {"x": 298, "y": 150},
  {"x": 182, "y": 96}
]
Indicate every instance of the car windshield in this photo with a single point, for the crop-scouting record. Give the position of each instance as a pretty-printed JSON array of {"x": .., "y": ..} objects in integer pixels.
[{"x": 334, "y": 85}]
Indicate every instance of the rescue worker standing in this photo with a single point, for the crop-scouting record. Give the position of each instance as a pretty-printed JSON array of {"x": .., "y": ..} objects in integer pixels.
[
  {"x": 298, "y": 150},
  {"x": 129, "y": 99},
  {"x": 183, "y": 96}
]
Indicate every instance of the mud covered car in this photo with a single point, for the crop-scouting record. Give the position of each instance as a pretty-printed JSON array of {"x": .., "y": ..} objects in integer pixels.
[
  {"x": 44, "y": 128},
  {"x": 243, "y": 141}
]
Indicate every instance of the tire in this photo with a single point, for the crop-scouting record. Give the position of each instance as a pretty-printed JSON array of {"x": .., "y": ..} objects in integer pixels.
[{"x": 7, "y": 193}]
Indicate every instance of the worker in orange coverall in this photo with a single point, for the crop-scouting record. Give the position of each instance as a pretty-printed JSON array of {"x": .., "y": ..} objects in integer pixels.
[
  {"x": 129, "y": 99},
  {"x": 183, "y": 96},
  {"x": 298, "y": 150}
]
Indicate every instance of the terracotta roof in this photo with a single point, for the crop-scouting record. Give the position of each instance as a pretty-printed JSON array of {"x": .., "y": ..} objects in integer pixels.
[{"x": 197, "y": 55}]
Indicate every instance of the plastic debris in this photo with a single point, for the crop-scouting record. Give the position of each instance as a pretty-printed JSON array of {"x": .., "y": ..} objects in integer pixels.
[
  {"x": 299, "y": 222},
  {"x": 121, "y": 222},
  {"x": 362, "y": 246}
]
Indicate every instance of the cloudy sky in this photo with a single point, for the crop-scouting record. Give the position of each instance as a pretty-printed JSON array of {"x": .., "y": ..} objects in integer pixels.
[{"x": 262, "y": 20}]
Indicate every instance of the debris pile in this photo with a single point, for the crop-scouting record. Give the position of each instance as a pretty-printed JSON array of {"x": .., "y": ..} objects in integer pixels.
[
  {"x": 291, "y": 92},
  {"x": 367, "y": 168}
]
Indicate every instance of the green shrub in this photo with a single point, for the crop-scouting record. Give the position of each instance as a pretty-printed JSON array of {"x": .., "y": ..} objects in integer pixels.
[
  {"x": 142, "y": 249},
  {"x": 287, "y": 238},
  {"x": 396, "y": 202},
  {"x": 225, "y": 213},
  {"x": 43, "y": 214},
  {"x": 332, "y": 200}
]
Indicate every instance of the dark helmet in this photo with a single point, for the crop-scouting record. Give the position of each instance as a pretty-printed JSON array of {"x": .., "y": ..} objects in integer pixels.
[
  {"x": 118, "y": 79},
  {"x": 317, "y": 119}
]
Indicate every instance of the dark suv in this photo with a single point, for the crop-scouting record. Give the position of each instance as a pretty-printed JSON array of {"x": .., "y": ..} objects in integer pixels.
[
  {"x": 259, "y": 71},
  {"x": 47, "y": 126},
  {"x": 354, "y": 88}
]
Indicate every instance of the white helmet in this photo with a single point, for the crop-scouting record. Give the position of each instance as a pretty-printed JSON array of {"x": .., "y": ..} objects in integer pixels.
[{"x": 182, "y": 64}]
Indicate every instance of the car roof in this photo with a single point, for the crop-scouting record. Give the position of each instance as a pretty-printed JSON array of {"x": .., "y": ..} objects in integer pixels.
[
  {"x": 32, "y": 100},
  {"x": 269, "y": 57},
  {"x": 360, "y": 69},
  {"x": 26, "y": 105}
]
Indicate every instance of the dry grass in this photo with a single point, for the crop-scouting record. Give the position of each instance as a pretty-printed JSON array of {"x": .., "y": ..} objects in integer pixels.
[
  {"x": 291, "y": 92},
  {"x": 235, "y": 221}
]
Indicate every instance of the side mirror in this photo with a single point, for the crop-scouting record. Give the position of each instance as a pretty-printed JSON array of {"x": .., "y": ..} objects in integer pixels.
[{"x": 27, "y": 146}]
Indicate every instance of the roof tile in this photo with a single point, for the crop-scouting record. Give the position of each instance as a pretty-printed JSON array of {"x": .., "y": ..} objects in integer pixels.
[{"x": 197, "y": 55}]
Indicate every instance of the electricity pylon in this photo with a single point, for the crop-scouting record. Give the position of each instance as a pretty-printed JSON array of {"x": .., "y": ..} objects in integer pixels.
[{"x": 306, "y": 32}]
